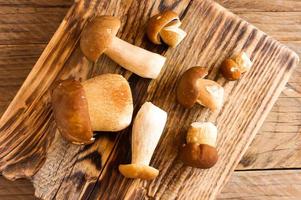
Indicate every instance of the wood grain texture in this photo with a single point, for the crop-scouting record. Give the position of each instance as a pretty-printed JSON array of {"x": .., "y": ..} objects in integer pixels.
[
  {"x": 87, "y": 164},
  {"x": 262, "y": 185},
  {"x": 277, "y": 145},
  {"x": 36, "y": 3},
  {"x": 18, "y": 190},
  {"x": 251, "y": 185},
  {"x": 16, "y": 61},
  {"x": 31, "y": 25},
  {"x": 262, "y": 5},
  {"x": 31, "y": 147},
  {"x": 273, "y": 22},
  {"x": 176, "y": 180}
]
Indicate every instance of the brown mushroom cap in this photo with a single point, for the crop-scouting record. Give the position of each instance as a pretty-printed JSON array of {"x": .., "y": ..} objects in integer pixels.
[
  {"x": 201, "y": 156},
  {"x": 188, "y": 89},
  {"x": 230, "y": 70},
  {"x": 98, "y": 35},
  {"x": 158, "y": 22},
  {"x": 70, "y": 109},
  {"x": 103, "y": 103}
]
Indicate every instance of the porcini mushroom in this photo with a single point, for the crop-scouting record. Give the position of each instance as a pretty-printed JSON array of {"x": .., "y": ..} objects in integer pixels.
[
  {"x": 233, "y": 68},
  {"x": 147, "y": 129},
  {"x": 230, "y": 70},
  {"x": 166, "y": 27},
  {"x": 193, "y": 88},
  {"x": 99, "y": 36},
  {"x": 200, "y": 150},
  {"x": 103, "y": 103}
]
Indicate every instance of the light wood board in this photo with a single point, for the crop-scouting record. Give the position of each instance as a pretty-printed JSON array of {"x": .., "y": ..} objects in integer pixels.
[
  {"x": 82, "y": 165},
  {"x": 250, "y": 185},
  {"x": 23, "y": 45},
  {"x": 262, "y": 185}
]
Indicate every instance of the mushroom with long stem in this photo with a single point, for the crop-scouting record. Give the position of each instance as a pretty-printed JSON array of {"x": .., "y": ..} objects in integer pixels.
[
  {"x": 99, "y": 36},
  {"x": 147, "y": 129}
]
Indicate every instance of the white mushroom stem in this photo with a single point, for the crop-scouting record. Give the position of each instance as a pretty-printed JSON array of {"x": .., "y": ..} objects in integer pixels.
[
  {"x": 147, "y": 130},
  {"x": 243, "y": 61},
  {"x": 172, "y": 35},
  {"x": 211, "y": 94},
  {"x": 135, "y": 59},
  {"x": 202, "y": 133}
]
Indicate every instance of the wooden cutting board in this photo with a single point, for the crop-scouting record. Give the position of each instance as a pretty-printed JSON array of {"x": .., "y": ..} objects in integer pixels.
[{"x": 31, "y": 147}]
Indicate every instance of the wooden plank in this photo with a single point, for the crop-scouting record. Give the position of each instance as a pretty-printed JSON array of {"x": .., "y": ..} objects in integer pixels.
[
  {"x": 277, "y": 145},
  {"x": 248, "y": 185},
  {"x": 28, "y": 23},
  {"x": 262, "y": 185},
  {"x": 19, "y": 197},
  {"x": 16, "y": 61},
  {"x": 283, "y": 26},
  {"x": 76, "y": 177},
  {"x": 276, "y": 158},
  {"x": 281, "y": 151},
  {"x": 261, "y": 5},
  {"x": 36, "y": 3},
  {"x": 62, "y": 38},
  {"x": 20, "y": 189},
  {"x": 11, "y": 60}
]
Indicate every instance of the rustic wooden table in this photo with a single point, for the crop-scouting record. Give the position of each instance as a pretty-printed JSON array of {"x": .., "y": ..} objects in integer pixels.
[{"x": 269, "y": 169}]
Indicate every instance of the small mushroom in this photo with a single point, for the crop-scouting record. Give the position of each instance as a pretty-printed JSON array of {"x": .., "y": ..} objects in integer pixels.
[
  {"x": 147, "y": 129},
  {"x": 230, "y": 70},
  {"x": 99, "y": 36},
  {"x": 233, "y": 68},
  {"x": 103, "y": 103},
  {"x": 200, "y": 150},
  {"x": 166, "y": 27},
  {"x": 193, "y": 88}
]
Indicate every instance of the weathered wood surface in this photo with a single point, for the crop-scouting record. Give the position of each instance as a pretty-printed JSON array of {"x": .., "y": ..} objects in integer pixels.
[
  {"x": 263, "y": 185},
  {"x": 262, "y": 5},
  {"x": 283, "y": 33},
  {"x": 30, "y": 22},
  {"x": 248, "y": 185},
  {"x": 19, "y": 190},
  {"x": 278, "y": 144},
  {"x": 16, "y": 61}
]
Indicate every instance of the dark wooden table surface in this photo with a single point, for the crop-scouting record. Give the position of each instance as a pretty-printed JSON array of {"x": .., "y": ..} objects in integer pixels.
[{"x": 271, "y": 167}]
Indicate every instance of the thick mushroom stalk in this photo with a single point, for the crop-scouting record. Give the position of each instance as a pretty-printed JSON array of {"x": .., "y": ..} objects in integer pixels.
[
  {"x": 135, "y": 59},
  {"x": 193, "y": 88},
  {"x": 99, "y": 36},
  {"x": 200, "y": 150},
  {"x": 165, "y": 27},
  {"x": 103, "y": 103},
  {"x": 211, "y": 94},
  {"x": 147, "y": 129}
]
